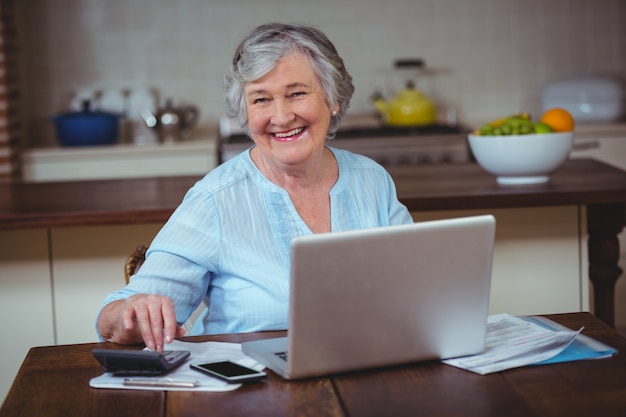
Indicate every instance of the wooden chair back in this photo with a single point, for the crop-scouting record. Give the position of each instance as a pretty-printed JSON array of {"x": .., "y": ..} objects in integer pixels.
[
  {"x": 132, "y": 265},
  {"x": 134, "y": 262}
]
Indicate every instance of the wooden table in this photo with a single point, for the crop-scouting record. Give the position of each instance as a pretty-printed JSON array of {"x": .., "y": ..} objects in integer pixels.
[
  {"x": 53, "y": 381},
  {"x": 584, "y": 182}
]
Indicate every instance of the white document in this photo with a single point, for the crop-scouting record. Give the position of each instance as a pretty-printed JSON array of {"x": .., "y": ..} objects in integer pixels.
[
  {"x": 513, "y": 342},
  {"x": 200, "y": 353}
]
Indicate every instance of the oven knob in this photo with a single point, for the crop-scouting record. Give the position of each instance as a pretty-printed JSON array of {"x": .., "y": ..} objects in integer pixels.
[
  {"x": 403, "y": 160},
  {"x": 425, "y": 159},
  {"x": 383, "y": 160}
]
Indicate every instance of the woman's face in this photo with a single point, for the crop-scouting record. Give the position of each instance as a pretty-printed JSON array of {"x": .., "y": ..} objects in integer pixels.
[{"x": 288, "y": 115}]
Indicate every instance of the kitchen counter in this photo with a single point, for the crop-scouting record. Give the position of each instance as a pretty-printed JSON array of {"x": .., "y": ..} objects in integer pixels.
[
  {"x": 192, "y": 157},
  {"x": 100, "y": 202},
  {"x": 420, "y": 188},
  {"x": 580, "y": 182},
  {"x": 600, "y": 130}
]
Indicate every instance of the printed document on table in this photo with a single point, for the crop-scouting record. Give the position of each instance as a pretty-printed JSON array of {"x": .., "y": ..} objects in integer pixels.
[{"x": 513, "y": 342}]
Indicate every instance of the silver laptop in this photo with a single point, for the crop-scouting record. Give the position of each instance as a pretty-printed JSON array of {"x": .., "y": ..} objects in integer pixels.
[{"x": 384, "y": 296}]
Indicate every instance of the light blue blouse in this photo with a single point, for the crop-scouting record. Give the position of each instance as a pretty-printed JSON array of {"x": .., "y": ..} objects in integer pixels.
[{"x": 228, "y": 243}]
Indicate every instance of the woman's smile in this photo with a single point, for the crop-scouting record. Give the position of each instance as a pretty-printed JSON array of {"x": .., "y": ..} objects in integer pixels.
[{"x": 288, "y": 136}]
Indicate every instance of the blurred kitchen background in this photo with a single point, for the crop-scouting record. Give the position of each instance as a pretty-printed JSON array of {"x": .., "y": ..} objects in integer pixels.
[
  {"x": 484, "y": 59},
  {"x": 489, "y": 57}
]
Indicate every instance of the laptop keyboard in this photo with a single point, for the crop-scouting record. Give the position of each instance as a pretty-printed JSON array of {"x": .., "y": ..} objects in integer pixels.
[{"x": 282, "y": 355}]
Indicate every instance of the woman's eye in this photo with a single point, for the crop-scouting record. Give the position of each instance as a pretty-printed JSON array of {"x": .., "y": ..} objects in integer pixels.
[
  {"x": 298, "y": 94},
  {"x": 260, "y": 100}
]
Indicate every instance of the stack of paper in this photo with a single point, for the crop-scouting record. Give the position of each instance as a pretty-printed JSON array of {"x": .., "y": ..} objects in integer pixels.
[{"x": 513, "y": 342}]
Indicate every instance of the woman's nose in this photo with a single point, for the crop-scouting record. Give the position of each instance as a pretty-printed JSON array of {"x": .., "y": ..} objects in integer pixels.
[{"x": 283, "y": 113}]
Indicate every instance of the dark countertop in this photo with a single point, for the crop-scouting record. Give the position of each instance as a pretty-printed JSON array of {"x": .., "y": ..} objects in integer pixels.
[
  {"x": 436, "y": 187},
  {"x": 467, "y": 186}
]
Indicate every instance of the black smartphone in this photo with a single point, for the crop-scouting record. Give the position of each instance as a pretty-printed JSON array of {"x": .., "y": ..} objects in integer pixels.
[{"x": 229, "y": 371}]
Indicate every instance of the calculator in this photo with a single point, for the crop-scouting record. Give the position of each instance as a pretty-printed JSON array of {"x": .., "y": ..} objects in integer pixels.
[{"x": 139, "y": 362}]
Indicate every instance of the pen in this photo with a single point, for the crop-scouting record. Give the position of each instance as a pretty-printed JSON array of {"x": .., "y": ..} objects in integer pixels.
[{"x": 160, "y": 382}]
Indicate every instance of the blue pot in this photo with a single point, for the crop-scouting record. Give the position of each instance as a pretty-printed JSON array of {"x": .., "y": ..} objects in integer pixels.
[{"x": 87, "y": 128}]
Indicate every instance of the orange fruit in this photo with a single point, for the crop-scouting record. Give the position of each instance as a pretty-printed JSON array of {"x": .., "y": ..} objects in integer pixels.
[{"x": 558, "y": 119}]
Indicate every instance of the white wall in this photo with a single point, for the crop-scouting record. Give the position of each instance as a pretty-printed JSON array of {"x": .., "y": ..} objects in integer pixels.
[{"x": 494, "y": 55}]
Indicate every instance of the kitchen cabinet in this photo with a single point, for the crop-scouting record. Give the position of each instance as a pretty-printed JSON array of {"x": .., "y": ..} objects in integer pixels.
[
  {"x": 120, "y": 161},
  {"x": 26, "y": 298},
  {"x": 524, "y": 279},
  {"x": 87, "y": 263},
  {"x": 53, "y": 282}
]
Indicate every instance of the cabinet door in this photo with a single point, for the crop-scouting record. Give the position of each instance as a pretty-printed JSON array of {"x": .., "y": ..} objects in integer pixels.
[
  {"x": 536, "y": 261},
  {"x": 26, "y": 317},
  {"x": 88, "y": 264}
]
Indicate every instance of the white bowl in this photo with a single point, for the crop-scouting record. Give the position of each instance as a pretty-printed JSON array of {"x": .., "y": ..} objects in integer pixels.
[{"x": 522, "y": 159}]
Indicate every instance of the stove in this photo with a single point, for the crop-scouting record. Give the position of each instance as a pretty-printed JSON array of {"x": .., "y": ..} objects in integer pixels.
[{"x": 434, "y": 144}]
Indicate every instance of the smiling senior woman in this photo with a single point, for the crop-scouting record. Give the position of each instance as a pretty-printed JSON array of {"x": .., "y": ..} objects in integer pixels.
[{"x": 228, "y": 243}]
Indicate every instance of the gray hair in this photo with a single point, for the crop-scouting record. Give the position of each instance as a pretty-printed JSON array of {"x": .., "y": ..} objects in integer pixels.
[{"x": 259, "y": 52}]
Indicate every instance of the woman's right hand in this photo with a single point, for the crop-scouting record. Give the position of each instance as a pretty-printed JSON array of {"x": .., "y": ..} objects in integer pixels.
[
  {"x": 143, "y": 317},
  {"x": 154, "y": 317}
]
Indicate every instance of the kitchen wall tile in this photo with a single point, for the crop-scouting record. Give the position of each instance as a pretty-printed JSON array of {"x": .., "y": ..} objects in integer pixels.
[{"x": 491, "y": 56}]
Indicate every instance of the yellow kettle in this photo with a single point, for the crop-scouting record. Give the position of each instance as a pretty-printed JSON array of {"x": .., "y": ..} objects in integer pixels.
[{"x": 410, "y": 107}]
